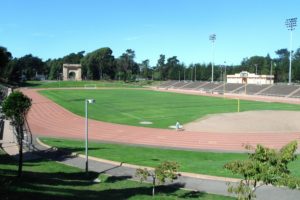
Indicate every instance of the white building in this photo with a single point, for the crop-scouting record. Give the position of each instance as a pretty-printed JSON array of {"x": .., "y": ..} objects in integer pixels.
[{"x": 247, "y": 78}]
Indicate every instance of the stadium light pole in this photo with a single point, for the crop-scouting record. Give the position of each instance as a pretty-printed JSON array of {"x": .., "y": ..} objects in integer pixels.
[
  {"x": 221, "y": 76},
  {"x": 195, "y": 73},
  {"x": 212, "y": 38},
  {"x": 87, "y": 101},
  {"x": 291, "y": 25},
  {"x": 225, "y": 71},
  {"x": 224, "y": 79},
  {"x": 255, "y": 69}
]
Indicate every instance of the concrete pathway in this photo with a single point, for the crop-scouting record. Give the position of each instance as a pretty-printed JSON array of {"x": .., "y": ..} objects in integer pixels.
[{"x": 9, "y": 141}]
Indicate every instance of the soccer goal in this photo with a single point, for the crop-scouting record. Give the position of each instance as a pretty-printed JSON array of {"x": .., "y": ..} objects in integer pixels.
[{"x": 90, "y": 86}]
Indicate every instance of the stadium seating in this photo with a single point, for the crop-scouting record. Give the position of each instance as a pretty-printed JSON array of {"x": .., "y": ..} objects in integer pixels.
[
  {"x": 231, "y": 87},
  {"x": 251, "y": 89},
  {"x": 167, "y": 84},
  {"x": 179, "y": 84},
  {"x": 295, "y": 94},
  {"x": 210, "y": 86},
  {"x": 279, "y": 90},
  {"x": 193, "y": 85}
]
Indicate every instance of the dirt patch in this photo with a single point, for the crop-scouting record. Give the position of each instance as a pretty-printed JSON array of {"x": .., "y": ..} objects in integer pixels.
[{"x": 250, "y": 121}]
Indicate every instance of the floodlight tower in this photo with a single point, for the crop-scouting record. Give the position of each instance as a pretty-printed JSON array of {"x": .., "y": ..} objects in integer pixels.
[
  {"x": 212, "y": 38},
  {"x": 291, "y": 25}
]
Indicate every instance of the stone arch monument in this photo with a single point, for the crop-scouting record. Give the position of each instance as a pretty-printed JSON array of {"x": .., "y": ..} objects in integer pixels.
[{"x": 72, "y": 72}]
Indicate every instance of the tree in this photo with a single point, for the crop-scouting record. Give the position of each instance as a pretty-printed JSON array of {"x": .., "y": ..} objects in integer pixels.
[
  {"x": 12, "y": 72},
  {"x": 161, "y": 66},
  {"x": 26, "y": 67},
  {"x": 145, "y": 69},
  {"x": 282, "y": 63},
  {"x": 5, "y": 57},
  {"x": 172, "y": 68},
  {"x": 55, "y": 67},
  {"x": 15, "y": 107},
  {"x": 30, "y": 65},
  {"x": 264, "y": 166},
  {"x": 163, "y": 172},
  {"x": 126, "y": 64},
  {"x": 73, "y": 58},
  {"x": 296, "y": 65},
  {"x": 99, "y": 63}
]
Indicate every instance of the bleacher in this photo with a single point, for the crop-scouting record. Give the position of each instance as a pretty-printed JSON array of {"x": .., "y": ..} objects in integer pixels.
[
  {"x": 231, "y": 87},
  {"x": 179, "y": 84},
  {"x": 228, "y": 88},
  {"x": 279, "y": 90},
  {"x": 193, "y": 85},
  {"x": 210, "y": 86},
  {"x": 296, "y": 94},
  {"x": 251, "y": 89},
  {"x": 167, "y": 84}
]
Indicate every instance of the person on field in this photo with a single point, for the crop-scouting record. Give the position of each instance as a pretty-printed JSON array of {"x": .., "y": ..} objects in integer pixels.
[{"x": 177, "y": 125}]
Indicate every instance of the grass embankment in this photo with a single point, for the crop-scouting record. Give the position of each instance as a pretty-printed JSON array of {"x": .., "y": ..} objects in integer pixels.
[
  {"x": 81, "y": 84},
  {"x": 48, "y": 180},
  {"x": 125, "y": 106},
  {"x": 208, "y": 163}
]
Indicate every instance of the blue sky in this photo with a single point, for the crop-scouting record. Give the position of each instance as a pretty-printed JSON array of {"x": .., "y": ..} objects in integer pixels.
[{"x": 55, "y": 28}]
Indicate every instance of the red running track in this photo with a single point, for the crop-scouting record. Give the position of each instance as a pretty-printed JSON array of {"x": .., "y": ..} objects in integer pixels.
[{"x": 46, "y": 118}]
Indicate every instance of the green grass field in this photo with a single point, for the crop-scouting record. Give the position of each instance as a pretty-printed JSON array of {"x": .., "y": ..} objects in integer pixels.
[
  {"x": 131, "y": 106},
  {"x": 49, "y": 180},
  {"x": 190, "y": 161}
]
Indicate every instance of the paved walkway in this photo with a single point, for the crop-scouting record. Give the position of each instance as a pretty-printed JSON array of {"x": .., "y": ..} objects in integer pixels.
[
  {"x": 9, "y": 141},
  {"x": 49, "y": 119}
]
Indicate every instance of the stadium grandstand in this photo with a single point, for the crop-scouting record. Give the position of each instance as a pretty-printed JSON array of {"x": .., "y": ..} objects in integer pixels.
[{"x": 277, "y": 90}]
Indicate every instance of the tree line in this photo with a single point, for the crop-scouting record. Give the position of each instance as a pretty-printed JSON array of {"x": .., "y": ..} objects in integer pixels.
[{"x": 101, "y": 64}]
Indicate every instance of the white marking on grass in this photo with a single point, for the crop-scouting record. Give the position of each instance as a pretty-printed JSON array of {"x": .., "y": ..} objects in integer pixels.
[
  {"x": 174, "y": 126},
  {"x": 146, "y": 122}
]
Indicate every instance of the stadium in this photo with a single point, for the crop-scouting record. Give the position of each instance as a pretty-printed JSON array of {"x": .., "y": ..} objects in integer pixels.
[{"x": 211, "y": 121}]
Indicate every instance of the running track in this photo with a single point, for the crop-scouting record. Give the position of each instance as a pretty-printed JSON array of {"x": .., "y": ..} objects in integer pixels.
[{"x": 46, "y": 118}]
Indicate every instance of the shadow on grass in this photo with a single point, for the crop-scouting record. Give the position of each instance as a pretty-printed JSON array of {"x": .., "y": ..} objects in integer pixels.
[
  {"x": 31, "y": 84},
  {"x": 44, "y": 179},
  {"x": 48, "y": 180},
  {"x": 113, "y": 179}
]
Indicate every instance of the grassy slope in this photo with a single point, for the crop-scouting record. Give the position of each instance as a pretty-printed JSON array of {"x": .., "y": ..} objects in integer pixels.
[
  {"x": 125, "y": 106},
  {"x": 58, "y": 84},
  {"x": 190, "y": 161},
  {"x": 48, "y": 180}
]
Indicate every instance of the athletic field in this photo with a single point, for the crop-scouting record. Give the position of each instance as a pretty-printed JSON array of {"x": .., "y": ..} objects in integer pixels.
[{"x": 162, "y": 109}]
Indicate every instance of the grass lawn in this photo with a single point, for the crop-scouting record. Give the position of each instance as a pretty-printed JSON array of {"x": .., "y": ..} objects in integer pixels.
[
  {"x": 131, "y": 106},
  {"x": 76, "y": 84},
  {"x": 48, "y": 180},
  {"x": 190, "y": 161}
]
